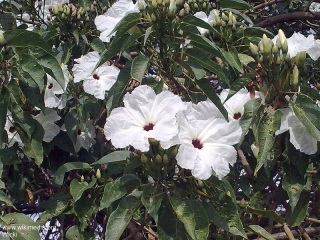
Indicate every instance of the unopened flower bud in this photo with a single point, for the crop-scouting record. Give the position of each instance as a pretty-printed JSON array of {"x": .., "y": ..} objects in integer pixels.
[
  {"x": 141, "y": 5},
  {"x": 165, "y": 160},
  {"x": 230, "y": 17},
  {"x": 224, "y": 17},
  {"x": 82, "y": 178},
  {"x": 158, "y": 159},
  {"x": 301, "y": 57},
  {"x": 154, "y": 3},
  {"x": 55, "y": 9},
  {"x": 159, "y": 2},
  {"x": 3, "y": 41},
  {"x": 275, "y": 50},
  {"x": 295, "y": 78},
  {"x": 234, "y": 20},
  {"x": 181, "y": 13},
  {"x": 266, "y": 45},
  {"x": 98, "y": 173},
  {"x": 223, "y": 23},
  {"x": 254, "y": 49},
  {"x": 255, "y": 150},
  {"x": 143, "y": 158}
]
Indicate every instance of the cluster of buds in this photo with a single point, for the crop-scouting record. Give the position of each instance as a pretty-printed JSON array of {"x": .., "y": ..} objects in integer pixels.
[
  {"x": 200, "y": 5},
  {"x": 224, "y": 19},
  {"x": 159, "y": 160},
  {"x": 69, "y": 15},
  {"x": 167, "y": 8}
]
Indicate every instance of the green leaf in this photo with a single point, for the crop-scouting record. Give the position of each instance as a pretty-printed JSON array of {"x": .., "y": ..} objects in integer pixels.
[
  {"x": 192, "y": 20},
  {"x": 115, "y": 156},
  {"x": 59, "y": 174},
  {"x": 261, "y": 232},
  {"x": 24, "y": 38},
  {"x": 206, "y": 87},
  {"x": 73, "y": 233},
  {"x": 297, "y": 215},
  {"x": 192, "y": 215},
  {"x": 235, "y": 4},
  {"x": 77, "y": 188},
  {"x": 117, "y": 189},
  {"x": 151, "y": 198},
  {"x": 126, "y": 23},
  {"x": 3, "y": 113},
  {"x": 97, "y": 45},
  {"x": 238, "y": 84},
  {"x": 245, "y": 59},
  {"x": 268, "y": 125},
  {"x": 29, "y": 64},
  {"x": 266, "y": 213},
  {"x": 222, "y": 210},
  {"x": 146, "y": 35},
  {"x": 131, "y": 40},
  {"x": 232, "y": 58},
  {"x": 139, "y": 67},
  {"x": 5, "y": 199},
  {"x": 120, "y": 218},
  {"x": 251, "y": 108},
  {"x": 169, "y": 226},
  {"x": 121, "y": 84},
  {"x": 33, "y": 95},
  {"x": 201, "y": 58},
  {"x": 308, "y": 112},
  {"x": 22, "y": 225}
]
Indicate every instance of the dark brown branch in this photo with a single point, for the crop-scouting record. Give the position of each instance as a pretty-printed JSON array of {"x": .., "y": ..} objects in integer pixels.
[
  {"x": 309, "y": 231},
  {"x": 263, "y": 5},
  {"x": 288, "y": 17}
]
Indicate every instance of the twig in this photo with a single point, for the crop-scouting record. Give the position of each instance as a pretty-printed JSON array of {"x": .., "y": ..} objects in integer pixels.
[
  {"x": 309, "y": 230},
  {"x": 263, "y": 5},
  {"x": 245, "y": 163},
  {"x": 288, "y": 232},
  {"x": 305, "y": 235},
  {"x": 288, "y": 17},
  {"x": 312, "y": 220}
]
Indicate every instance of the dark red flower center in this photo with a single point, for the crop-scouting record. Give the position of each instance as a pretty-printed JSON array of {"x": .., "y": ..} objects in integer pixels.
[
  {"x": 50, "y": 86},
  {"x": 197, "y": 144},
  {"x": 148, "y": 127},
  {"x": 236, "y": 116},
  {"x": 96, "y": 77},
  {"x": 12, "y": 129},
  {"x": 79, "y": 132}
]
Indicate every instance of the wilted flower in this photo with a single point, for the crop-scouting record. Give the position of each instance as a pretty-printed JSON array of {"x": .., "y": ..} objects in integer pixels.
[
  {"x": 144, "y": 115},
  {"x": 53, "y": 88},
  {"x": 299, "y": 136},
  {"x": 106, "y": 23},
  {"x": 47, "y": 121},
  {"x": 95, "y": 82},
  {"x": 206, "y": 141}
]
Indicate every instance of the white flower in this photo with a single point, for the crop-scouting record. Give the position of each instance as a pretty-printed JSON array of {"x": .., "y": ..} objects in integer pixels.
[
  {"x": 208, "y": 19},
  {"x": 144, "y": 115},
  {"x": 299, "y": 136},
  {"x": 95, "y": 82},
  {"x": 299, "y": 43},
  {"x": 206, "y": 144},
  {"x": 235, "y": 104},
  {"x": 53, "y": 88},
  {"x": 106, "y": 23},
  {"x": 47, "y": 121},
  {"x": 13, "y": 136},
  {"x": 85, "y": 137}
]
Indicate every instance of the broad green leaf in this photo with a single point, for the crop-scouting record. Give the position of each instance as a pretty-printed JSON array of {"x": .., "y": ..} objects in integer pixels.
[
  {"x": 130, "y": 41},
  {"x": 112, "y": 50},
  {"x": 85, "y": 208},
  {"x": 298, "y": 214},
  {"x": 206, "y": 87},
  {"x": 261, "y": 232},
  {"x": 77, "y": 188},
  {"x": 169, "y": 226},
  {"x": 22, "y": 225},
  {"x": 120, "y": 218},
  {"x": 293, "y": 182},
  {"x": 97, "y": 45},
  {"x": 192, "y": 215},
  {"x": 59, "y": 174},
  {"x": 308, "y": 112},
  {"x": 202, "y": 59},
  {"x": 126, "y": 23},
  {"x": 238, "y": 84},
  {"x": 235, "y": 4},
  {"x": 151, "y": 198},
  {"x": 73, "y": 233},
  {"x": 222, "y": 210},
  {"x": 5, "y": 199},
  {"x": 138, "y": 67},
  {"x": 232, "y": 58},
  {"x": 24, "y": 38},
  {"x": 245, "y": 59},
  {"x": 116, "y": 156},
  {"x": 117, "y": 189},
  {"x": 312, "y": 92},
  {"x": 146, "y": 35},
  {"x": 250, "y": 111},
  {"x": 268, "y": 125},
  {"x": 3, "y": 113},
  {"x": 192, "y": 20},
  {"x": 33, "y": 95},
  {"x": 29, "y": 64},
  {"x": 265, "y": 213},
  {"x": 121, "y": 85}
]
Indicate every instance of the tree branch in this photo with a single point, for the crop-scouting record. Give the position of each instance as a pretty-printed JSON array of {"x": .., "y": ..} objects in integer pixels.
[
  {"x": 288, "y": 17},
  {"x": 263, "y": 5}
]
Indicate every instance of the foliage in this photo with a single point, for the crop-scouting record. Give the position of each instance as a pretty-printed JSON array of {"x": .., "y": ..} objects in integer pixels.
[{"x": 60, "y": 159}]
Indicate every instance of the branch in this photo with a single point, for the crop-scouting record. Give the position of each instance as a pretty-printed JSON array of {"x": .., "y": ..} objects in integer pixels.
[
  {"x": 263, "y": 5},
  {"x": 309, "y": 230},
  {"x": 288, "y": 17}
]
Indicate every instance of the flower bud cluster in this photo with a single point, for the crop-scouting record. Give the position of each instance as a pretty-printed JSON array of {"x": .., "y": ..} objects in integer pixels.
[
  {"x": 224, "y": 19},
  {"x": 200, "y": 5},
  {"x": 69, "y": 15}
]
